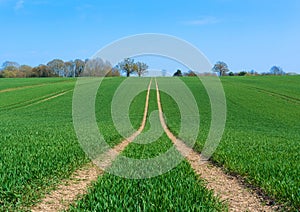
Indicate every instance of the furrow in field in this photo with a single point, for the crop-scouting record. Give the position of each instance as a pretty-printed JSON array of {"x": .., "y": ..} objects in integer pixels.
[
  {"x": 288, "y": 98},
  {"x": 228, "y": 188},
  {"x": 108, "y": 157},
  {"x": 29, "y": 86},
  {"x": 282, "y": 96},
  {"x": 81, "y": 179},
  {"x": 36, "y": 100},
  {"x": 49, "y": 98}
]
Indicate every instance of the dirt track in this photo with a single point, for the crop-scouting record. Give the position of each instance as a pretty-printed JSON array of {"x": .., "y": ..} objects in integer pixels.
[
  {"x": 227, "y": 188},
  {"x": 81, "y": 179}
]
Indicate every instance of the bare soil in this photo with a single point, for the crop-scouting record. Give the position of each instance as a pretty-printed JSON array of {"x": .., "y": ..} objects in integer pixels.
[
  {"x": 69, "y": 190},
  {"x": 227, "y": 188},
  {"x": 79, "y": 182}
]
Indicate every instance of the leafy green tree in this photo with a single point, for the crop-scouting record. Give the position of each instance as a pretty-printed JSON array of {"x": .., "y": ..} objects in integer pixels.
[{"x": 221, "y": 68}]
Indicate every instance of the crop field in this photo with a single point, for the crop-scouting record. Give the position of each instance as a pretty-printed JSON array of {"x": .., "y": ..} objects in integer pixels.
[
  {"x": 39, "y": 147},
  {"x": 262, "y": 136}
]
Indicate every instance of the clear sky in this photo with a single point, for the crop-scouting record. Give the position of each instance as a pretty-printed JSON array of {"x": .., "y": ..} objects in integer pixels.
[{"x": 246, "y": 34}]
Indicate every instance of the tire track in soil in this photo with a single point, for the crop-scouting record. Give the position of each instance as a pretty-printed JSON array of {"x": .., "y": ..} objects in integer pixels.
[
  {"x": 47, "y": 99},
  {"x": 34, "y": 101},
  {"x": 29, "y": 86},
  {"x": 228, "y": 188},
  {"x": 71, "y": 189}
]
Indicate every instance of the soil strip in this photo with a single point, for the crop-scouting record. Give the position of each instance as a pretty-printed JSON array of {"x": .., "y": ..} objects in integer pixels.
[
  {"x": 228, "y": 188},
  {"x": 71, "y": 189},
  {"x": 105, "y": 160}
]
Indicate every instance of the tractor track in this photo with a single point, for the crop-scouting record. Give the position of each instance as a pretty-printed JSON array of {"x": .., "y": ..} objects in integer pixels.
[
  {"x": 228, "y": 188},
  {"x": 35, "y": 101},
  {"x": 71, "y": 189},
  {"x": 29, "y": 86}
]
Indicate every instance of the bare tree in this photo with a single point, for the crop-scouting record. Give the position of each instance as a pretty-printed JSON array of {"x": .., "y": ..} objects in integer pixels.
[
  {"x": 141, "y": 68},
  {"x": 128, "y": 66},
  {"x": 97, "y": 68},
  {"x": 276, "y": 70},
  {"x": 26, "y": 70},
  {"x": 43, "y": 71},
  {"x": 69, "y": 69},
  {"x": 221, "y": 68},
  {"x": 58, "y": 66},
  {"x": 79, "y": 67},
  {"x": 10, "y": 66}
]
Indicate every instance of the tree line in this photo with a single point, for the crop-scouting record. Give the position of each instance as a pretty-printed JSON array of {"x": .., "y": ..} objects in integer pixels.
[
  {"x": 222, "y": 69},
  {"x": 98, "y": 67},
  {"x": 54, "y": 68}
]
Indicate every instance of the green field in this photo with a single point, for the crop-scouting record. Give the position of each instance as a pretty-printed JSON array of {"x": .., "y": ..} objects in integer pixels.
[
  {"x": 39, "y": 148},
  {"x": 261, "y": 141},
  {"x": 178, "y": 189}
]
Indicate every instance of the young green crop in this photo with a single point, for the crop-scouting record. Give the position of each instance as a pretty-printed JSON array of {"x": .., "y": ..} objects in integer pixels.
[
  {"x": 177, "y": 190},
  {"x": 21, "y": 83},
  {"x": 38, "y": 144},
  {"x": 262, "y": 136}
]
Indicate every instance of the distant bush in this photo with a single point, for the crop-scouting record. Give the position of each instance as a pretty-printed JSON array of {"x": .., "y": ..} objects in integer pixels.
[
  {"x": 242, "y": 73},
  {"x": 190, "y": 74},
  {"x": 178, "y": 73}
]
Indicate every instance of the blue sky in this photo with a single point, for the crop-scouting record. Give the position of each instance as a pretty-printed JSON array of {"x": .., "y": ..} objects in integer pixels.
[{"x": 246, "y": 34}]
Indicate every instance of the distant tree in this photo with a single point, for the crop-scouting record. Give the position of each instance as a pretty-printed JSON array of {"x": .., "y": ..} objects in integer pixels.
[
  {"x": 43, "y": 71},
  {"x": 26, "y": 70},
  {"x": 114, "y": 72},
  {"x": 164, "y": 72},
  {"x": 96, "y": 67},
  {"x": 231, "y": 73},
  {"x": 252, "y": 72},
  {"x": 58, "y": 66},
  {"x": 127, "y": 66},
  {"x": 10, "y": 66},
  {"x": 242, "y": 73},
  {"x": 221, "y": 68},
  {"x": 141, "y": 68},
  {"x": 69, "y": 69},
  {"x": 8, "y": 74},
  {"x": 178, "y": 73},
  {"x": 79, "y": 67},
  {"x": 190, "y": 73},
  {"x": 276, "y": 70}
]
